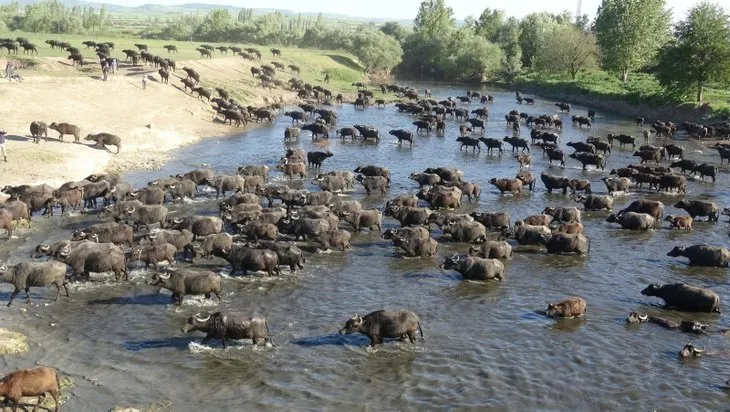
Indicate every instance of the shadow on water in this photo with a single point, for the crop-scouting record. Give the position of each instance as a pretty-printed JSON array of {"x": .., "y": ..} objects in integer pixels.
[
  {"x": 152, "y": 299},
  {"x": 180, "y": 343},
  {"x": 332, "y": 339}
]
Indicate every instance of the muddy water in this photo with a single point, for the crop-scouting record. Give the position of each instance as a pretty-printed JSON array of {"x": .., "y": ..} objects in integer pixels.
[{"x": 484, "y": 347}]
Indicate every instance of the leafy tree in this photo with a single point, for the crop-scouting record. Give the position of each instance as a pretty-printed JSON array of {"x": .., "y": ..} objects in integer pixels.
[
  {"x": 508, "y": 39},
  {"x": 471, "y": 58},
  {"x": 395, "y": 30},
  {"x": 489, "y": 24},
  {"x": 533, "y": 29},
  {"x": 630, "y": 33},
  {"x": 699, "y": 53},
  {"x": 377, "y": 51},
  {"x": 567, "y": 49},
  {"x": 434, "y": 18}
]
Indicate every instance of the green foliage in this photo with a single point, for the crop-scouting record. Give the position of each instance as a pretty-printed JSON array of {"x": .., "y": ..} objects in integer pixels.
[
  {"x": 533, "y": 29},
  {"x": 698, "y": 54},
  {"x": 630, "y": 33},
  {"x": 378, "y": 52},
  {"x": 472, "y": 59},
  {"x": 489, "y": 24},
  {"x": 508, "y": 39},
  {"x": 54, "y": 17},
  {"x": 434, "y": 19},
  {"x": 395, "y": 30},
  {"x": 567, "y": 49}
]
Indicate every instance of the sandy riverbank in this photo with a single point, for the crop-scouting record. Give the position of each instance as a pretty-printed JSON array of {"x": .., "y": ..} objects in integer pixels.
[{"x": 150, "y": 121}]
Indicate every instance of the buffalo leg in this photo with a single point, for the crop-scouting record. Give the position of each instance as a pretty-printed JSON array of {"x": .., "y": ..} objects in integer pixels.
[
  {"x": 58, "y": 292},
  {"x": 13, "y": 295},
  {"x": 27, "y": 294},
  {"x": 205, "y": 339},
  {"x": 412, "y": 336},
  {"x": 218, "y": 295},
  {"x": 225, "y": 345},
  {"x": 65, "y": 287}
]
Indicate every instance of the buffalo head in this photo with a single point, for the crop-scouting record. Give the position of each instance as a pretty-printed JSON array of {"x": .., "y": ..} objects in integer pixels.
[
  {"x": 690, "y": 351},
  {"x": 352, "y": 325},
  {"x": 635, "y": 317}
]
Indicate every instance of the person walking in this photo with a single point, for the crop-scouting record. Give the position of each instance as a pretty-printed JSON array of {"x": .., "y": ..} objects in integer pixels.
[
  {"x": 105, "y": 70},
  {"x": 144, "y": 81},
  {"x": 3, "y": 151}
]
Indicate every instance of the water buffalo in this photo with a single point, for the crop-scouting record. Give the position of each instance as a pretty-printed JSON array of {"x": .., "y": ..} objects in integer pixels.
[
  {"x": 229, "y": 325},
  {"x": 474, "y": 268},
  {"x": 66, "y": 128},
  {"x": 110, "y": 232},
  {"x": 372, "y": 183},
  {"x": 563, "y": 214},
  {"x": 447, "y": 174},
  {"x": 407, "y": 215},
  {"x": 617, "y": 184},
  {"x": 30, "y": 382},
  {"x": 654, "y": 208},
  {"x": 633, "y": 220},
  {"x": 595, "y": 202},
  {"x": 334, "y": 238},
  {"x": 700, "y": 208},
  {"x": 183, "y": 282},
  {"x": 199, "y": 225},
  {"x": 38, "y": 128},
  {"x": 369, "y": 219},
  {"x": 705, "y": 169},
  {"x": 25, "y": 275},
  {"x": 148, "y": 196},
  {"x": 199, "y": 176},
  {"x": 703, "y": 255},
  {"x": 590, "y": 159},
  {"x": 87, "y": 257},
  {"x": 105, "y": 139},
  {"x": 492, "y": 220},
  {"x": 681, "y": 296},
  {"x": 491, "y": 249},
  {"x": 384, "y": 324},
  {"x": 242, "y": 259},
  {"x": 569, "y": 308},
  {"x": 154, "y": 254},
  {"x": 288, "y": 253},
  {"x": 526, "y": 234},
  {"x": 552, "y": 182},
  {"x": 680, "y": 222},
  {"x": 563, "y": 243},
  {"x": 513, "y": 186},
  {"x": 225, "y": 183},
  {"x": 145, "y": 215},
  {"x": 425, "y": 179},
  {"x": 465, "y": 231},
  {"x": 181, "y": 239}
]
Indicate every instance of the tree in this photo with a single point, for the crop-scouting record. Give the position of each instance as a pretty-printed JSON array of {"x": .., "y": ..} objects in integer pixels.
[
  {"x": 699, "y": 53},
  {"x": 377, "y": 51},
  {"x": 630, "y": 33},
  {"x": 508, "y": 39},
  {"x": 434, "y": 18},
  {"x": 489, "y": 24},
  {"x": 470, "y": 58},
  {"x": 395, "y": 30},
  {"x": 533, "y": 29},
  {"x": 567, "y": 49}
]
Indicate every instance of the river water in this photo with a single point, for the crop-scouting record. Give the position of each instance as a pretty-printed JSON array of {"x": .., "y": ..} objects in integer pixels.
[{"x": 485, "y": 345}]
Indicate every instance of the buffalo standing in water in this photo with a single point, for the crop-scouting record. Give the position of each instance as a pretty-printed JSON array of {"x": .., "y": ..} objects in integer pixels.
[{"x": 384, "y": 324}]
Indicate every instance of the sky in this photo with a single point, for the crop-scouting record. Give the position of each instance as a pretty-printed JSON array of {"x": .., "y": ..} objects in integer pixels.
[{"x": 406, "y": 9}]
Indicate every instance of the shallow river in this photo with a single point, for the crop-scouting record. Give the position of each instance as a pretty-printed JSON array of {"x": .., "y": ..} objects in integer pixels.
[{"x": 485, "y": 345}]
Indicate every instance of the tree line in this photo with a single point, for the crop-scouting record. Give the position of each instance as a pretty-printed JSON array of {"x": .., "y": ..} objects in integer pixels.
[{"x": 626, "y": 37}]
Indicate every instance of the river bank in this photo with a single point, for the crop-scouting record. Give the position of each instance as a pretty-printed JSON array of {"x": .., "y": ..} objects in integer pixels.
[
  {"x": 151, "y": 121},
  {"x": 619, "y": 106}
]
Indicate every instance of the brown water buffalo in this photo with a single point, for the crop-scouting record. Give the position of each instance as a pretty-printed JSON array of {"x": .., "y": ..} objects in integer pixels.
[
  {"x": 513, "y": 186},
  {"x": 569, "y": 308},
  {"x": 702, "y": 208},
  {"x": 183, "y": 282},
  {"x": 30, "y": 382},
  {"x": 491, "y": 249},
  {"x": 633, "y": 220},
  {"x": 563, "y": 243},
  {"x": 25, "y": 275},
  {"x": 680, "y": 222},
  {"x": 595, "y": 202},
  {"x": 552, "y": 182},
  {"x": 66, "y": 128},
  {"x": 105, "y": 139}
]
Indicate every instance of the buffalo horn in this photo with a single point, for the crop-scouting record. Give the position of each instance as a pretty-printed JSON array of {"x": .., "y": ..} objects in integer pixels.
[
  {"x": 200, "y": 319},
  {"x": 131, "y": 210},
  {"x": 163, "y": 276}
]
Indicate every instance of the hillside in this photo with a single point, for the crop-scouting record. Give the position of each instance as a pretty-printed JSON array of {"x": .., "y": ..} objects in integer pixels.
[{"x": 150, "y": 122}]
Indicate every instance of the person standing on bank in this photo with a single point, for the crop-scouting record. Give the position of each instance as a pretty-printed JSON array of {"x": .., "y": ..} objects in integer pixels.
[{"x": 2, "y": 145}]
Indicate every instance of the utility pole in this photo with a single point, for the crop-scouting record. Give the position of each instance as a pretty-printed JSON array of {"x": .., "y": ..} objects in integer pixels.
[{"x": 577, "y": 12}]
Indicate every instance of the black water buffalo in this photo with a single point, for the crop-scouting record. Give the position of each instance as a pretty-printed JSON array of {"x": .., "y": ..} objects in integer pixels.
[
  {"x": 703, "y": 255},
  {"x": 408, "y": 215},
  {"x": 25, "y": 275},
  {"x": 654, "y": 208},
  {"x": 105, "y": 139},
  {"x": 148, "y": 196},
  {"x": 552, "y": 182},
  {"x": 384, "y": 324},
  {"x": 316, "y": 158},
  {"x": 199, "y": 176},
  {"x": 681, "y": 296},
  {"x": 700, "y": 208},
  {"x": 145, "y": 215},
  {"x": 242, "y": 259},
  {"x": 373, "y": 171},
  {"x": 36, "y": 197},
  {"x": 402, "y": 135},
  {"x": 590, "y": 159},
  {"x": 229, "y": 325},
  {"x": 183, "y": 282},
  {"x": 111, "y": 232},
  {"x": 181, "y": 239},
  {"x": 474, "y": 268},
  {"x": 705, "y": 169}
]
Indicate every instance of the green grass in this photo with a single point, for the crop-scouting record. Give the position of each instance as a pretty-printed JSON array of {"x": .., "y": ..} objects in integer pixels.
[
  {"x": 343, "y": 68},
  {"x": 642, "y": 88}
]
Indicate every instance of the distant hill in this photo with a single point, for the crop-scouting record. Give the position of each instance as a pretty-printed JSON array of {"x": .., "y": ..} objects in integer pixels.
[{"x": 187, "y": 8}]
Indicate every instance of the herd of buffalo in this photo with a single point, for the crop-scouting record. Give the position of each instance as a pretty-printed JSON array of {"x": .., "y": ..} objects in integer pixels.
[{"x": 259, "y": 225}]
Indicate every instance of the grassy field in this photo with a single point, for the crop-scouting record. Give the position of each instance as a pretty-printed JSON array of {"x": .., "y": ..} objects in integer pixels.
[
  {"x": 343, "y": 68},
  {"x": 641, "y": 88}
]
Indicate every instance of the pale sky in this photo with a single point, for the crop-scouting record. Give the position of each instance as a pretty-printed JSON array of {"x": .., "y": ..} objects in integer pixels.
[{"x": 406, "y": 9}]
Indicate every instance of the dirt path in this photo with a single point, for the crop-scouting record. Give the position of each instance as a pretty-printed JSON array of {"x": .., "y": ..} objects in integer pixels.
[{"x": 150, "y": 121}]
